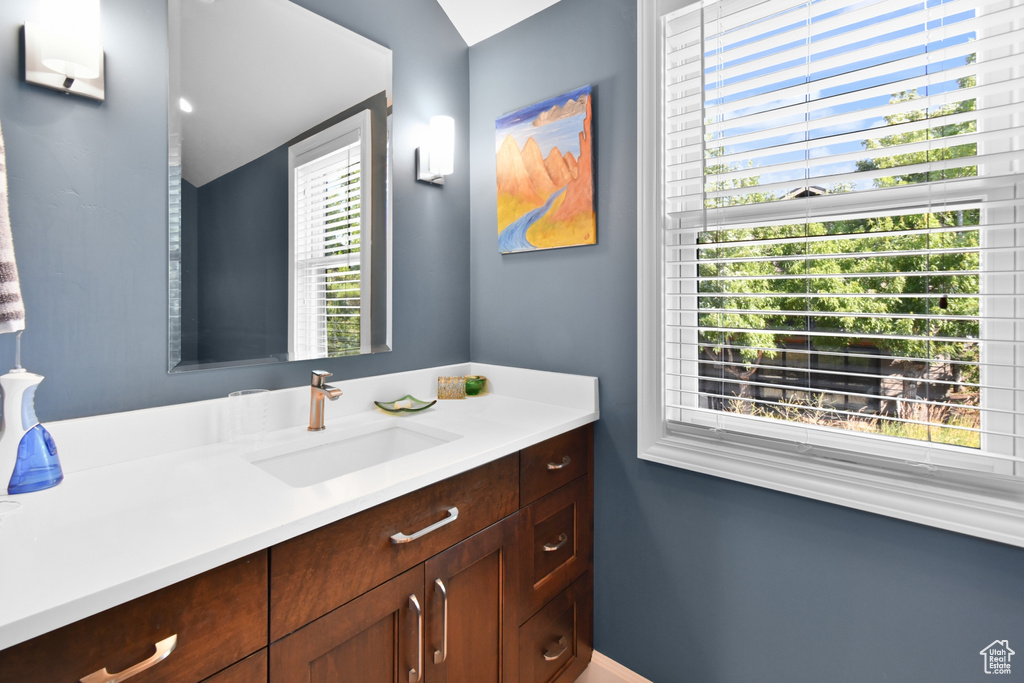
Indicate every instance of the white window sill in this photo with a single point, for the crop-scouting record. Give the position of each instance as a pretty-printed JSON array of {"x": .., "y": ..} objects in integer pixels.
[{"x": 995, "y": 513}]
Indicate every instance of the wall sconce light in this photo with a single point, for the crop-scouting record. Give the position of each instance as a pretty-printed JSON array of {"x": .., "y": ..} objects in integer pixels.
[
  {"x": 437, "y": 159},
  {"x": 63, "y": 50}
]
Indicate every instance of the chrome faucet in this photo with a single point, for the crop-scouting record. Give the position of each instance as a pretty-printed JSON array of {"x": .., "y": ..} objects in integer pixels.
[{"x": 318, "y": 390}]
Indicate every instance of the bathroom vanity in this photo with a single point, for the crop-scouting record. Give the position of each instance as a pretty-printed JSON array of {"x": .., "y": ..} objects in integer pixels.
[{"x": 467, "y": 562}]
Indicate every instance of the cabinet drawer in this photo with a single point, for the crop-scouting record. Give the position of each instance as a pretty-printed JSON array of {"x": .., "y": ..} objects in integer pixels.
[
  {"x": 218, "y": 617},
  {"x": 319, "y": 571},
  {"x": 555, "y": 544},
  {"x": 557, "y": 643},
  {"x": 554, "y": 463}
]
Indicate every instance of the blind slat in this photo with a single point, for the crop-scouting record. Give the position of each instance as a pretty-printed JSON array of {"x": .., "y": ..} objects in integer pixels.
[
  {"x": 901, "y": 358},
  {"x": 931, "y": 197}
]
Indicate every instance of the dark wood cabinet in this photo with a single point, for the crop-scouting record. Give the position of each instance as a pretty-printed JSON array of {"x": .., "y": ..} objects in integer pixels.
[
  {"x": 449, "y": 620},
  {"x": 375, "y": 638},
  {"x": 472, "y": 626},
  {"x": 556, "y": 643},
  {"x": 487, "y": 580},
  {"x": 556, "y": 544},
  {"x": 215, "y": 619},
  {"x": 550, "y": 464},
  {"x": 511, "y": 603},
  {"x": 325, "y": 568},
  {"x": 252, "y": 669}
]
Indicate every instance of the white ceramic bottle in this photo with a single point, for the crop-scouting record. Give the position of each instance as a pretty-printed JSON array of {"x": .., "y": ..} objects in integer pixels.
[{"x": 28, "y": 455}]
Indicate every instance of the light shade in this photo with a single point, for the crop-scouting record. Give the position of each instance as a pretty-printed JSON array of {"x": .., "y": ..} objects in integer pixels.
[
  {"x": 442, "y": 145},
  {"x": 63, "y": 49},
  {"x": 70, "y": 56},
  {"x": 436, "y": 159}
]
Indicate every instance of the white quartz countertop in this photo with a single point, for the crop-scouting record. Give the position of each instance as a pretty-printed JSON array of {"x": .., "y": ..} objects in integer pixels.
[{"x": 155, "y": 496}]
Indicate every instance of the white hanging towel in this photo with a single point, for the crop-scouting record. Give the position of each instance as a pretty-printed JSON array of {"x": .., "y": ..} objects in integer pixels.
[{"x": 12, "y": 308}]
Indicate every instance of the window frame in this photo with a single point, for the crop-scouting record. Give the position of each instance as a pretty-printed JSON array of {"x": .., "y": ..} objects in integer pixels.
[
  {"x": 984, "y": 507},
  {"x": 326, "y": 142}
]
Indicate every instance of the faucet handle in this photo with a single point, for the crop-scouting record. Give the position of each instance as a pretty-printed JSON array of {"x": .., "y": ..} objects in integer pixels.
[{"x": 318, "y": 378}]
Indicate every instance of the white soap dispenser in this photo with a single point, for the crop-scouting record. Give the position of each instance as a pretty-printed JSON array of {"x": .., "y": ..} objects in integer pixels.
[{"x": 28, "y": 455}]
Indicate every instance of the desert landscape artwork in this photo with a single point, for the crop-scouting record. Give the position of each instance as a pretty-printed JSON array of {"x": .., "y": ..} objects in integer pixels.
[{"x": 545, "y": 175}]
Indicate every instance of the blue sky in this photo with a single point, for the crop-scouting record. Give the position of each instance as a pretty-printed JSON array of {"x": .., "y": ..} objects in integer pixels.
[{"x": 563, "y": 133}]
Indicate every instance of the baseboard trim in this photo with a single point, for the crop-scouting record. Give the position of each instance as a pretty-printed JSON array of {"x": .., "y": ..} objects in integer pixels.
[{"x": 605, "y": 670}]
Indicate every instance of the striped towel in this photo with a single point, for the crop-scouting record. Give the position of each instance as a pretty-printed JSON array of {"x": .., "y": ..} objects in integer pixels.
[{"x": 12, "y": 309}]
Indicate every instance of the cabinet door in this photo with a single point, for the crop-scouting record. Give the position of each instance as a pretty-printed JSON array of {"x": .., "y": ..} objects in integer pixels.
[
  {"x": 376, "y": 638},
  {"x": 472, "y": 633}
]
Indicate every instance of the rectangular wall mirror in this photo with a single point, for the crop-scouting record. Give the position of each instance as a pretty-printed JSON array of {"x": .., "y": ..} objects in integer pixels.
[{"x": 278, "y": 186}]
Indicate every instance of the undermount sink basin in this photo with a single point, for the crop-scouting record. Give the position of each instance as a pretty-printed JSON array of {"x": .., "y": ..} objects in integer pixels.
[{"x": 301, "y": 463}]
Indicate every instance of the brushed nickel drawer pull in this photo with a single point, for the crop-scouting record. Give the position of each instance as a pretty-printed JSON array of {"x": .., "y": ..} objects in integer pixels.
[
  {"x": 416, "y": 675},
  {"x": 442, "y": 654},
  {"x": 550, "y": 656},
  {"x": 560, "y": 465},
  {"x": 163, "y": 648},
  {"x": 453, "y": 514},
  {"x": 552, "y": 547}
]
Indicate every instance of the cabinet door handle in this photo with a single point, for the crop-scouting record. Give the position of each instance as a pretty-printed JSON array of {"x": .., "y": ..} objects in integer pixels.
[
  {"x": 559, "y": 465},
  {"x": 442, "y": 654},
  {"x": 550, "y": 656},
  {"x": 163, "y": 648},
  {"x": 453, "y": 514},
  {"x": 415, "y": 675},
  {"x": 552, "y": 547}
]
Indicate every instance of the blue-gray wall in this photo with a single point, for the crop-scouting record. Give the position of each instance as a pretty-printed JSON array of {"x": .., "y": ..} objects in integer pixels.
[
  {"x": 700, "y": 579},
  {"x": 88, "y": 195},
  {"x": 243, "y": 262}
]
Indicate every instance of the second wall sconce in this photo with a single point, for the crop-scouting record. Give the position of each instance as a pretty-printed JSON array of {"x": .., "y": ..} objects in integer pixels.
[
  {"x": 63, "y": 50},
  {"x": 436, "y": 159}
]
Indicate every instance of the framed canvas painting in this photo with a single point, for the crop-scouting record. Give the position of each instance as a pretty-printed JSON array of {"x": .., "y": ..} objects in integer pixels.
[{"x": 545, "y": 175}]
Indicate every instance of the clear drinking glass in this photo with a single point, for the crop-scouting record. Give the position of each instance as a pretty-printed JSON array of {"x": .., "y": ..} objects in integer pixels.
[{"x": 247, "y": 415}]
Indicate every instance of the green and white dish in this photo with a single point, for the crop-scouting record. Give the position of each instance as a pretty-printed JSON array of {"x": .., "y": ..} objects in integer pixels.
[{"x": 406, "y": 404}]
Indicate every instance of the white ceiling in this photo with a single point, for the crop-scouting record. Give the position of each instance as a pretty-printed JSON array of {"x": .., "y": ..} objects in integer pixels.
[
  {"x": 244, "y": 63},
  {"x": 480, "y": 19},
  {"x": 244, "y": 66}
]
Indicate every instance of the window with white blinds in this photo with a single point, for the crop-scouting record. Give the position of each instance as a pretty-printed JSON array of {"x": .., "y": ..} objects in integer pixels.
[
  {"x": 330, "y": 204},
  {"x": 842, "y": 226}
]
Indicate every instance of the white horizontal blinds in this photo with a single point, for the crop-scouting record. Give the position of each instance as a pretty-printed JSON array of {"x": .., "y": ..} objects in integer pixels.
[
  {"x": 844, "y": 198},
  {"x": 327, "y": 251}
]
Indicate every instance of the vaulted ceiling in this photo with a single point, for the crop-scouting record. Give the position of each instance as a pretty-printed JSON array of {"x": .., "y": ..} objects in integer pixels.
[{"x": 480, "y": 19}]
